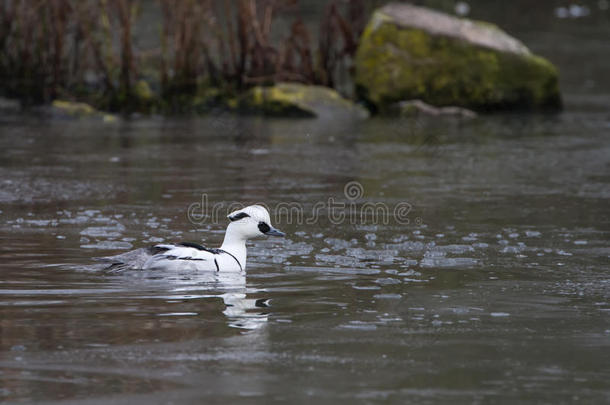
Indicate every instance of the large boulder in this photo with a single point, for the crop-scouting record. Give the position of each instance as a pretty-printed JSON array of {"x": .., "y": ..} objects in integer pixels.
[
  {"x": 299, "y": 100},
  {"x": 408, "y": 52}
]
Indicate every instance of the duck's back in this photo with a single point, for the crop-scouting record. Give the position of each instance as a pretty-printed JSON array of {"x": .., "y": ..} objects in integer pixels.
[
  {"x": 184, "y": 256},
  {"x": 187, "y": 256}
]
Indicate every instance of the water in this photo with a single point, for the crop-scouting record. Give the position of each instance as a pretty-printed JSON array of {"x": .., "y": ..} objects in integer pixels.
[
  {"x": 496, "y": 289},
  {"x": 490, "y": 287}
]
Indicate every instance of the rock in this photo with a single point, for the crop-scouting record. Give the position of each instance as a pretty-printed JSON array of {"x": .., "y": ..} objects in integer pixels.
[
  {"x": 299, "y": 100},
  {"x": 408, "y": 52},
  {"x": 78, "y": 110},
  {"x": 417, "y": 107}
]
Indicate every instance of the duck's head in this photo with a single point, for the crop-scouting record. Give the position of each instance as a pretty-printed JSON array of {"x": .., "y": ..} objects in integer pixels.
[{"x": 251, "y": 222}]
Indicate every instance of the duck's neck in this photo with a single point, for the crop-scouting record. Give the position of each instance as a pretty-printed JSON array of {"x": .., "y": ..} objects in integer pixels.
[{"x": 235, "y": 244}]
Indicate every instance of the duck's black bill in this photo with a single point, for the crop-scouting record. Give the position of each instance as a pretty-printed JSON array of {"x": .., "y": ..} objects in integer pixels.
[{"x": 275, "y": 232}]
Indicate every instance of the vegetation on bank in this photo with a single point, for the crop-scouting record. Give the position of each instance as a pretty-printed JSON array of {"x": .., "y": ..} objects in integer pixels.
[{"x": 208, "y": 51}]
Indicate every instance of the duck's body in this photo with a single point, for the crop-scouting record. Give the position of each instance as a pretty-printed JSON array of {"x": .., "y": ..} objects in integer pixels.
[{"x": 248, "y": 223}]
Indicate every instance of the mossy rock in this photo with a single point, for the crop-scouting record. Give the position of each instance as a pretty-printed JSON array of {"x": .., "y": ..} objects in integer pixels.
[
  {"x": 299, "y": 100},
  {"x": 408, "y": 52},
  {"x": 79, "y": 110}
]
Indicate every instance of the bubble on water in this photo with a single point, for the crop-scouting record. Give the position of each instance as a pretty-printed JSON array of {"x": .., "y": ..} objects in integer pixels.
[
  {"x": 456, "y": 249},
  {"x": 499, "y": 314},
  {"x": 470, "y": 238},
  {"x": 511, "y": 249},
  {"x": 338, "y": 243},
  {"x": 42, "y": 222},
  {"x": 532, "y": 234},
  {"x": 408, "y": 246},
  {"x": 387, "y": 296},
  {"x": 400, "y": 238},
  {"x": 580, "y": 242},
  {"x": 435, "y": 253},
  {"x": 259, "y": 151},
  {"x": 387, "y": 281},
  {"x": 60, "y": 237},
  {"x": 460, "y": 310},
  {"x": 343, "y": 261},
  {"x": 448, "y": 262},
  {"x": 414, "y": 280},
  {"x": 359, "y": 325},
  {"x": 152, "y": 223},
  {"x": 563, "y": 253},
  {"x": 366, "y": 287},
  {"x": 103, "y": 231},
  {"x": 410, "y": 273},
  {"x": 178, "y": 314},
  {"x": 108, "y": 245},
  {"x": 406, "y": 263},
  {"x": 370, "y": 236}
]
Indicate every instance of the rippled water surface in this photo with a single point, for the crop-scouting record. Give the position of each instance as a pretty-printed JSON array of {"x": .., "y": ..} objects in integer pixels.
[
  {"x": 497, "y": 288},
  {"x": 492, "y": 288}
]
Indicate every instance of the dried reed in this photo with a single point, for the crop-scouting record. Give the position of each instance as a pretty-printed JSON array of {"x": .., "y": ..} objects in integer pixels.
[{"x": 86, "y": 49}]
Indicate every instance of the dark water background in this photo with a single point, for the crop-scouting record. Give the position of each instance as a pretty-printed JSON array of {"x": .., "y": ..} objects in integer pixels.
[{"x": 495, "y": 291}]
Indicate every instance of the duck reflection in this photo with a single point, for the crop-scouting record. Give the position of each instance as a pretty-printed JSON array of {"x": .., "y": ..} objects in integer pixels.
[{"x": 241, "y": 310}]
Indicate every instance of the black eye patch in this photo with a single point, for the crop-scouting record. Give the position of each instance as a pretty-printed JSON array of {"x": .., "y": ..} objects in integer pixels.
[
  {"x": 239, "y": 216},
  {"x": 263, "y": 227}
]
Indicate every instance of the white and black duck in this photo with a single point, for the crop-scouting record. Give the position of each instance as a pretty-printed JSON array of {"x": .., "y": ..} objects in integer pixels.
[{"x": 247, "y": 223}]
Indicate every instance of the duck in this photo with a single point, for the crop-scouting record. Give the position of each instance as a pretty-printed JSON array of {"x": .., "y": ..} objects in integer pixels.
[{"x": 247, "y": 223}]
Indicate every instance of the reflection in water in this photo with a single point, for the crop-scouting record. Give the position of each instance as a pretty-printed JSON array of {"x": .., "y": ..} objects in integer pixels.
[{"x": 241, "y": 311}]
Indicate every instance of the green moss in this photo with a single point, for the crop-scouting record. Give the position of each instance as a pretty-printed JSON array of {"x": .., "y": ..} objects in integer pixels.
[
  {"x": 142, "y": 91},
  {"x": 395, "y": 63},
  {"x": 80, "y": 110},
  {"x": 298, "y": 100},
  {"x": 274, "y": 102}
]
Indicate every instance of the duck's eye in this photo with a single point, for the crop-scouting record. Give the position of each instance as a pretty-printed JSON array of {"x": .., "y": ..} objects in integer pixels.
[
  {"x": 263, "y": 227},
  {"x": 238, "y": 216}
]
